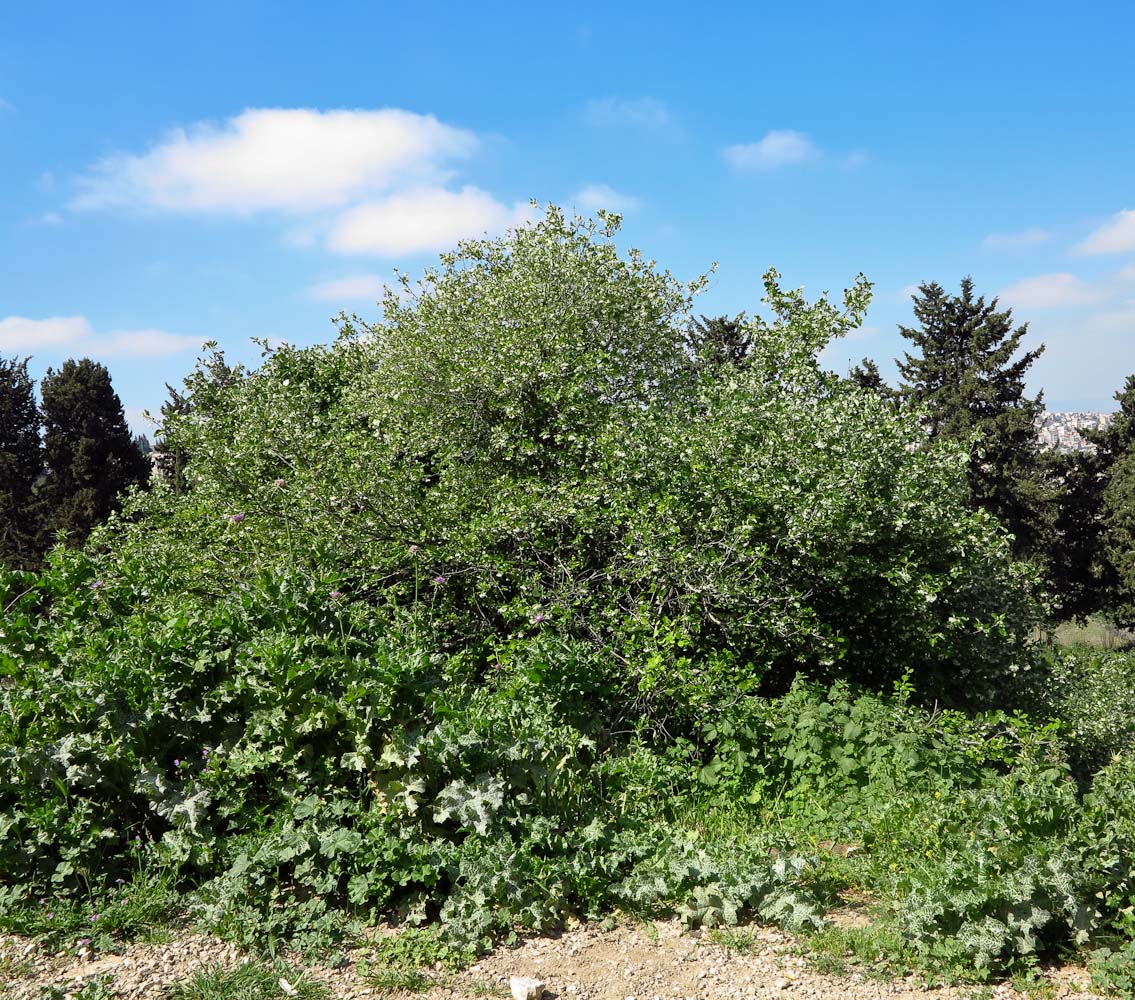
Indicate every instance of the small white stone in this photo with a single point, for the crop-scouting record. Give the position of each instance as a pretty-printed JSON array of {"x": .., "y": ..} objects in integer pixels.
[{"x": 524, "y": 988}]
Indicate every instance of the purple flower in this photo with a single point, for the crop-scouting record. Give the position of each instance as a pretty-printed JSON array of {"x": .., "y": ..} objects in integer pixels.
[
  {"x": 120, "y": 881},
  {"x": 414, "y": 549},
  {"x": 336, "y": 594},
  {"x": 51, "y": 916},
  {"x": 539, "y": 617},
  {"x": 278, "y": 483},
  {"x": 96, "y": 585},
  {"x": 438, "y": 580},
  {"x": 93, "y": 917},
  {"x": 236, "y": 518},
  {"x": 205, "y": 754},
  {"x": 176, "y": 762},
  {"x": 83, "y": 942}
]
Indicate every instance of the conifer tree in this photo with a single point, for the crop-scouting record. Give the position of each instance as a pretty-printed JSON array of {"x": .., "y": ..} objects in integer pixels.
[
  {"x": 90, "y": 455},
  {"x": 21, "y": 463},
  {"x": 965, "y": 375},
  {"x": 1102, "y": 535},
  {"x": 720, "y": 341}
]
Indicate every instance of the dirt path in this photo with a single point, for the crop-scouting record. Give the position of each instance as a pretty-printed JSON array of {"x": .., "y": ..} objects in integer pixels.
[{"x": 656, "y": 961}]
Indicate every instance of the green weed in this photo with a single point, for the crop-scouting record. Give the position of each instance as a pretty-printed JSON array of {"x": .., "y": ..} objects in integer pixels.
[{"x": 250, "y": 981}]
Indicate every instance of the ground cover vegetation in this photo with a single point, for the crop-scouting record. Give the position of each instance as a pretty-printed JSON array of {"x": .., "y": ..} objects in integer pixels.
[{"x": 535, "y": 598}]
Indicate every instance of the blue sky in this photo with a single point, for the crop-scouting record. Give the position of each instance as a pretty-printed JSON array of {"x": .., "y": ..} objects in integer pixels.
[{"x": 178, "y": 173}]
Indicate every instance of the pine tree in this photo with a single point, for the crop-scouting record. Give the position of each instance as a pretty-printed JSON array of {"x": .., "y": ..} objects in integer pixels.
[
  {"x": 21, "y": 463},
  {"x": 965, "y": 377},
  {"x": 720, "y": 341},
  {"x": 866, "y": 375},
  {"x": 89, "y": 451}
]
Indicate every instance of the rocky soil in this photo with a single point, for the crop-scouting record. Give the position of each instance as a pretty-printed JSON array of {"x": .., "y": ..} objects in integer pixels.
[{"x": 658, "y": 961}]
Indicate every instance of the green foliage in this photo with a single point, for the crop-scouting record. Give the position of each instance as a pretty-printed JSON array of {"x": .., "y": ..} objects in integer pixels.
[
  {"x": 408, "y": 961},
  {"x": 90, "y": 456},
  {"x": 21, "y": 463},
  {"x": 719, "y": 342},
  {"x": 1113, "y": 970},
  {"x": 1090, "y": 691},
  {"x": 971, "y": 389},
  {"x": 250, "y": 981},
  {"x": 875, "y": 951},
  {"x": 970, "y": 826},
  {"x": 523, "y": 444},
  {"x": 456, "y": 617}
]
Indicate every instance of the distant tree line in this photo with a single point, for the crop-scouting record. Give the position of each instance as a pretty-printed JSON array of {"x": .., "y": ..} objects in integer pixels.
[{"x": 64, "y": 460}]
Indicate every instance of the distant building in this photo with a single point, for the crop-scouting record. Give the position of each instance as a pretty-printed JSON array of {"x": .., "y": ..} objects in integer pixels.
[{"x": 1061, "y": 431}]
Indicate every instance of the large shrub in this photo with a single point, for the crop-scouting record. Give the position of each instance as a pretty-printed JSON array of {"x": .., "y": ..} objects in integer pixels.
[
  {"x": 522, "y": 440},
  {"x": 424, "y": 606}
]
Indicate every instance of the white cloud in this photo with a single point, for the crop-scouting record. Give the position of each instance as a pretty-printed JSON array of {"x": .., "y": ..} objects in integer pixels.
[
  {"x": 1049, "y": 291},
  {"x": 421, "y": 220},
  {"x": 595, "y": 196},
  {"x": 1024, "y": 239},
  {"x": 1115, "y": 236},
  {"x": 19, "y": 334},
  {"x": 354, "y": 288},
  {"x": 148, "y": 343},
  {"x": 290, "y": 160},
  {"x": 777, "y": 149},
  {"x": 642, "y": 112}
]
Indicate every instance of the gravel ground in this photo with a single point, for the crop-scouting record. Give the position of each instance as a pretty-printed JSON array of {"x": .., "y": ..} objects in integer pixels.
[{"x": 633, "y": 962}]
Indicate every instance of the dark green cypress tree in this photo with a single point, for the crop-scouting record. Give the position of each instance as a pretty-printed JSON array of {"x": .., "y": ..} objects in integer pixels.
[
  {"x": 21, "y": 464},
  {"x": 966, "y": 376},
  {"x": 90, "y": 455}
]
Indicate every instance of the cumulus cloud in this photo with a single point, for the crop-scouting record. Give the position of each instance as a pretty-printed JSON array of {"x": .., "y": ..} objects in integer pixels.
[
  {"x": 421, "y": 220},
  {"x": 279, "y": 159},
  {"x": 1117, "y": 235},
  {"x": 1024, "y": 239},
  {"x": 20, "y": 335},
  {"x": 353, "y": 288},
  {"x": 1050, "y": 291},
  {"x": 777, "y": 149},
  {"x": 596, "y": 196},
  {"x": 642, "y": 112}
]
